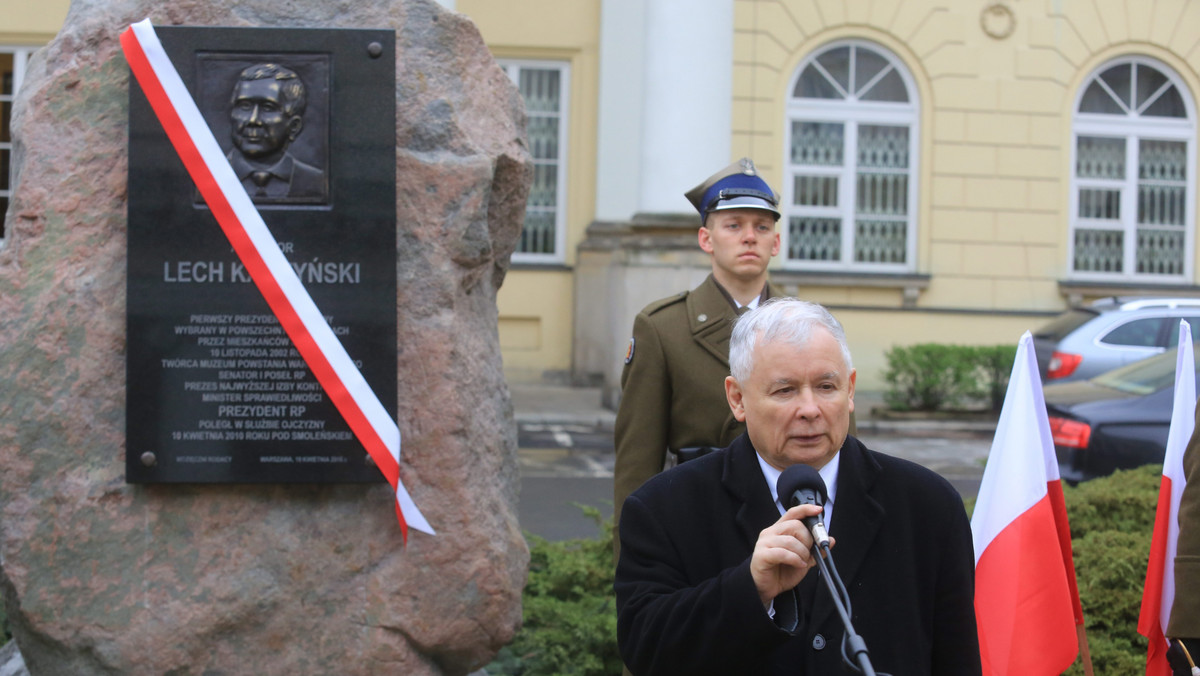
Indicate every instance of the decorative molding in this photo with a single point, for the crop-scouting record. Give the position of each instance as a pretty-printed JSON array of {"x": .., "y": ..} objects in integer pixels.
[
  {"x": 910, "y": 285},
  {"x": 997, "y": 20}
]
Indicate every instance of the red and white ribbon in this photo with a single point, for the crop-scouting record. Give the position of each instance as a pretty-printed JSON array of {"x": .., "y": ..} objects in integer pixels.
[{"x": 270, "y": 270}]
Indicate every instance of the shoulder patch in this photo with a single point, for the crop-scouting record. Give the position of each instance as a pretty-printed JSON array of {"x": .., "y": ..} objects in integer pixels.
[{"x": 629, "y": 352}]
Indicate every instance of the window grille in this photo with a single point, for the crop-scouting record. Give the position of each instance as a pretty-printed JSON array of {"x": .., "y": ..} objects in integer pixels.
[
  {"x": 850, "y": 189},
  {"x": 13, "y": 61},
  {"x": 1131, "y": 191},
  {"x": 544, "y": 87}
]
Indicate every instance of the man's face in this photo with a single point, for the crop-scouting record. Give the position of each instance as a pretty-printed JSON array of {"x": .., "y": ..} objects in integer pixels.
[
  {"x": 796, "y": 403},
  {"x": 741, "y": 241},
  {"x": 260, "y": 127}
]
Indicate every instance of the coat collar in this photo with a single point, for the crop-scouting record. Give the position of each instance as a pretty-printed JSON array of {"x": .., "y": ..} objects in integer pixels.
[
  {"x": 711, "y": 314},
  {"x": 859, "y": 513}
]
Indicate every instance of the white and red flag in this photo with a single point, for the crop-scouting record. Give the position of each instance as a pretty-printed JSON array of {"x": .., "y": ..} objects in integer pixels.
[
  {"x": 191, "y": 137},
  {"x": 1026, "y": 602},
  {"x": 1159, "y": 592}
]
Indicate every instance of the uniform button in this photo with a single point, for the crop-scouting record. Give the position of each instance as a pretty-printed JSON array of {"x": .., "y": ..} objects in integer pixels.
[
  {"x": 818, "y": 642},
  {"x": 703, "y": 318}
]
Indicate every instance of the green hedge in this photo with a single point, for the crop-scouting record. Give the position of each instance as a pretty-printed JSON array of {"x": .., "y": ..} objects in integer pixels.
[
  {"x": 932, "y": 377},
  {"x": 570, "y": 622},
  {"x": 1112, "y": 521},
  {"x": 570, "y": 614}
]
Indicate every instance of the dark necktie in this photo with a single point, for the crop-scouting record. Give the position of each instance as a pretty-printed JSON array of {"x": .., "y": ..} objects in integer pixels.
[{"x": 260, "y": 178}]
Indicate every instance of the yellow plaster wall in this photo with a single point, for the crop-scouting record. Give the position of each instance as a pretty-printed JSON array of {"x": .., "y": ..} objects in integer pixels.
[
  {"x": 535, "y": 324},
  {"x": 995, "y": 142},
  {"x": 536, "y": 304},
  {"x": 31, "y": 23}
]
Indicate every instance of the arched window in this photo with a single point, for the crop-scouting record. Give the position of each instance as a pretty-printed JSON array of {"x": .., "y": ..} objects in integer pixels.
[
  {"x": 850, "y": 188},
  {"x": 1133, "y": 169}
]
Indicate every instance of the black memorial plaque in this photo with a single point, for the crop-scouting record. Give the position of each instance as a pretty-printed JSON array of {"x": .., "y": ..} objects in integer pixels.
[{"x": 216, "y": 390}]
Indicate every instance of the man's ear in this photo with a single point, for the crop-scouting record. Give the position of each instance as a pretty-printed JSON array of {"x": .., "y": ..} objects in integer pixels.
[
  {"x": 704, "y": 235},
  {"x": 736, "y": 399},
  {"x": 294, "y": 126},
  {"x": 853, "y": 376}
]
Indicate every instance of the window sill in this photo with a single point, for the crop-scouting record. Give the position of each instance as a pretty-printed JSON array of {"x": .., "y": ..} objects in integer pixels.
[
  {"x": 548, "y": 266},
  {"x": 910, "y": 283},
  {"x": 1076, "y": 290}
]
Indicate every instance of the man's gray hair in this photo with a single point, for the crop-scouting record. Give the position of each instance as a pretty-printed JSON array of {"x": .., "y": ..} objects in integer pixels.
[{"x": 790, "y": 320}]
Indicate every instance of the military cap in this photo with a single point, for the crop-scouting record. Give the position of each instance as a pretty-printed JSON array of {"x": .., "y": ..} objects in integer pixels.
[{"x": 737, "y": 186}]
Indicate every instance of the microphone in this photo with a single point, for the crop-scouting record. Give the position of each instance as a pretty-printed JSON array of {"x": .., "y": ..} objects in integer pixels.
[{"x": 803, "y": 485}]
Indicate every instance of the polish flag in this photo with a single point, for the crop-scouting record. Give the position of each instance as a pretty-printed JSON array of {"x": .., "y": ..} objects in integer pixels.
[
  {"x": 1026, "y": 602},
  {"x": 1159, "y": 592}
]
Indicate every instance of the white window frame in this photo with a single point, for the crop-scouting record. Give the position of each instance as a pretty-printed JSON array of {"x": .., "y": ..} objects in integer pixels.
[
  {"x": 851, "y": 113},
  {"x": 20, "y": 64},
  {"x": 1132, "y": 128},
  {"x": 513, "y": 67}
]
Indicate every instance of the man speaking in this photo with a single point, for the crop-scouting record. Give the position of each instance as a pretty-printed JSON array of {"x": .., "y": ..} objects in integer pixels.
[{"x": 716, "y": 577}]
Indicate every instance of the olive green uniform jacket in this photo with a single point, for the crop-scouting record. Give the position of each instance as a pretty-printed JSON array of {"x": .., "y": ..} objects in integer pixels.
[
  {"x": 673, "y": 384},
  {"x": 1185, "y": 612}
]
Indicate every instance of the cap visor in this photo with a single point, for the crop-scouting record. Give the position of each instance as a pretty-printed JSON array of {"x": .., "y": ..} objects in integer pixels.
[{"x": 746, "y": 202}]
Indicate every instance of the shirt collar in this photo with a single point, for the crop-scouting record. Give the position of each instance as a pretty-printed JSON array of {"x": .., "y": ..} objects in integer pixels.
[
  {"x": 281, "y": 169},
  {"x": 829, "y": 474}
]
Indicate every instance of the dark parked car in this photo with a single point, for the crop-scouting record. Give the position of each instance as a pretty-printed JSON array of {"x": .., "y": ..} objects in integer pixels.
[{"x": 1117, "y": 420}]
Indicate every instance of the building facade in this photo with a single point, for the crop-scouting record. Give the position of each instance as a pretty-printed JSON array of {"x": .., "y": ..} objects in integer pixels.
[{"x": 950, "y": 171}]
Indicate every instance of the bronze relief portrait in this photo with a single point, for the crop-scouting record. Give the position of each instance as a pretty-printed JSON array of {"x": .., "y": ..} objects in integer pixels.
[{"x": 270, "y": 113}]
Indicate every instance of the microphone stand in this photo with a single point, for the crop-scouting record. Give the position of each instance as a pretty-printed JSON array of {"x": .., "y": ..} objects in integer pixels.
[{"x": 857, "y": 645}]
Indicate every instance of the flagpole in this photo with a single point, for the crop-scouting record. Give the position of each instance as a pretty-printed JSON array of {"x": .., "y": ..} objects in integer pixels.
[{"x": 1084, "y": 653}]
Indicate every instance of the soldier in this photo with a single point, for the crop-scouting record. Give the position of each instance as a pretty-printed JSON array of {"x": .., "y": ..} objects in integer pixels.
[
  {"x": 674, "y": 377},
  {"x": 1184, "y": 625}
]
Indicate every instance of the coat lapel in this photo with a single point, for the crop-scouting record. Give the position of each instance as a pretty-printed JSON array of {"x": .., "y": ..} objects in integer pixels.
[
  {"x": 710, "y": 318},
  {"x": 713, "y": 331},
  {"x": 859, "y": 517},
  {"x": 744, "y": 480}
]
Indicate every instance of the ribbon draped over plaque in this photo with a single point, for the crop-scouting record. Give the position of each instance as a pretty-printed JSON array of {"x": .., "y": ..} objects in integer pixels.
[{"x": 257, "y": 249}]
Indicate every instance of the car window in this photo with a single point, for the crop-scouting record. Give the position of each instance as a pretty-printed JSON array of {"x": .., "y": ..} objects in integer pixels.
[
  {"x": 1060, "y": 326},
  {"x": 1137, "y": 333},
  {"x": 1145, "y": 376},
  {"x": 1173, "y": 333}
]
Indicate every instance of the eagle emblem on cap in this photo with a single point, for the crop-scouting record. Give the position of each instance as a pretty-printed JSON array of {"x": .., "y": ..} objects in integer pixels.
[{"x": 748, "y": 166}]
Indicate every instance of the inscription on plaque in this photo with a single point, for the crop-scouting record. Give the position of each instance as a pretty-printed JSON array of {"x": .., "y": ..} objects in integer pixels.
[{"x": 216, "y": 390}]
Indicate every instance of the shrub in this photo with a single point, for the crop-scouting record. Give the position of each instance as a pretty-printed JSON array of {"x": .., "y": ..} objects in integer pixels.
[
  {"x": 931, "y": 376},
  {"x": 994, "y": 365},
  {"x": 1112, "y": 520},
  {"x": 927, "y": 377},
  {"x": 570, "y": 613}
]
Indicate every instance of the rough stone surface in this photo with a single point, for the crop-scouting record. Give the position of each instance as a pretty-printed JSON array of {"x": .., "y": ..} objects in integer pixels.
[{"x": 102, "y": 577}]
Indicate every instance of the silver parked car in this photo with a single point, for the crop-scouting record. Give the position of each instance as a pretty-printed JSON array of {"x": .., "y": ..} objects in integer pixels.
[{"x": 1087, "y": 341}]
